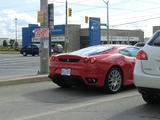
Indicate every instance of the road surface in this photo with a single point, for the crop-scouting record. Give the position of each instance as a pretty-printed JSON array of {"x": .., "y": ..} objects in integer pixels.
[
  {"x": 46, "y": 101},
  {"x": 18, "y": 65}
]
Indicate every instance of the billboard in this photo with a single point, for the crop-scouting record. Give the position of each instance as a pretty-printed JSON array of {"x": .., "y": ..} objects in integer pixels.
[{"x": 94, "y": 31}]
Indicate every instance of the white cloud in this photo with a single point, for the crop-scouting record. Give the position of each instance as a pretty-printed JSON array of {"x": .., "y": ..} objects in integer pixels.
[
  {"x": 11, "y": 14},
  {"x": 7, "y": 22}
]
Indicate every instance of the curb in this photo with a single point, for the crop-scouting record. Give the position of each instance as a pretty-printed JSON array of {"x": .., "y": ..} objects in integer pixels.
[{"x": 6, "y": 81}]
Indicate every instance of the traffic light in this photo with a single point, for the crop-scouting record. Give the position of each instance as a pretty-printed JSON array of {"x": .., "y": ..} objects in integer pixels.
[
  {"x": 70, "y": 12},
  {"x": 86, "y": 19}
]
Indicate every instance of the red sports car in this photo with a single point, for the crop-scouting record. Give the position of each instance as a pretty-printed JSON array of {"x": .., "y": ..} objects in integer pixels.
[{"x": 107, "y": 66}]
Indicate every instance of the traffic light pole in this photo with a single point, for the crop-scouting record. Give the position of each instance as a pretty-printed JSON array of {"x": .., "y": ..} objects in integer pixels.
[
  {"x": 108, "y": 24},
  {"x": 66, "y": 29},
  {"x": 108, "y": 41}
]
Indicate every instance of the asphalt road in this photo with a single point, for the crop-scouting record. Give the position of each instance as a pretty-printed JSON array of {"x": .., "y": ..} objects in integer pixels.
[
  {"x": 17, "y": 65},
  {"x": 46, "y": 101}
]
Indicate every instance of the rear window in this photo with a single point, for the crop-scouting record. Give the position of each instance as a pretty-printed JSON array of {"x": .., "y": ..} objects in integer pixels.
[
  {"x": 92, "y": 50},
  {"x": 155, "y": 40},
  {"x": 130, "y": 51}
]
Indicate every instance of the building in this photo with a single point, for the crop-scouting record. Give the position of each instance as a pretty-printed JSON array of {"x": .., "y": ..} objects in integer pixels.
[
  {"x": 155, "y": 28},
  {"x": 28, "y": 34},
  {"x": 116, "y": 36},
  {"x": 80, "y": 37}
]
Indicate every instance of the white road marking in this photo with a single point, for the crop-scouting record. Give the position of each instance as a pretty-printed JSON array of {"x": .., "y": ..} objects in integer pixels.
[{"x": 94, "y": 102}]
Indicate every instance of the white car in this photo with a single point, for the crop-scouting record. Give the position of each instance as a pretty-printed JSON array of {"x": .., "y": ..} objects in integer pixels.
[{"x": 147, "y": 70}]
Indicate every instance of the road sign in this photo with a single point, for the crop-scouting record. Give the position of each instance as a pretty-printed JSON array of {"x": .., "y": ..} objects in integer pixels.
[
  {"x": 41, "y": 33},
  {"x": 102, "y": 24}
]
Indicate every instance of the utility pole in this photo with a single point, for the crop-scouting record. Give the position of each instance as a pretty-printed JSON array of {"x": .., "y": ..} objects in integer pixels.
[
  {"x": 66, "y": 29},
  {"x": 107, "y": 21},
  {"x": 16, "y": 29},
  {"x": 44, "y": 42}
]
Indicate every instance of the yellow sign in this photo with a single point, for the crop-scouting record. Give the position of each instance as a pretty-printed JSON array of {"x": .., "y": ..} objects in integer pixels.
[{"x": 41, "y": 17}]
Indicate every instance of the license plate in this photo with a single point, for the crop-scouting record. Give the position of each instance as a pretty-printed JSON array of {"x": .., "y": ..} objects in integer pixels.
[{"x": 66, "y": 72}]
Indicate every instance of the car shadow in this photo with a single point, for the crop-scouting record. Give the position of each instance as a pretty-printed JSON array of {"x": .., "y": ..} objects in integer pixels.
[
  {"x": 60, "y": 95},
  {"x": 141, "y": 112}
]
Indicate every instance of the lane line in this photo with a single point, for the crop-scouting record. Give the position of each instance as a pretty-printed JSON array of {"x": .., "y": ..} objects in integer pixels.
[{"x": 81, "y": 105}]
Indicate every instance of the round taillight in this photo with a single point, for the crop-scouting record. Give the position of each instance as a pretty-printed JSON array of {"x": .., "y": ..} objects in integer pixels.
[
  {"x": 141, "y": 55},
  {"x": 86, "y": 60},
  {"x": 52, "y": 58},
  {"x": 92, "y": 60}
]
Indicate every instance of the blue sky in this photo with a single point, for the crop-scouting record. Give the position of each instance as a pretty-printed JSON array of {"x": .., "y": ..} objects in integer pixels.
[{"x": 120, "y": 12}]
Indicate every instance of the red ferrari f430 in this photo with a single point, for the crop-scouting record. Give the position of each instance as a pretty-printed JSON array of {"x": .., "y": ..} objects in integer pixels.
[{"x": 106, "y": 66}]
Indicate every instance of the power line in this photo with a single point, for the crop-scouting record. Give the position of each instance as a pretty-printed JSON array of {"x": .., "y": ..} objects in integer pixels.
[
  {"x": 136, "y": 17},
  {"x": 144, "y": 10},
  {"x": 135, "y": 21}
]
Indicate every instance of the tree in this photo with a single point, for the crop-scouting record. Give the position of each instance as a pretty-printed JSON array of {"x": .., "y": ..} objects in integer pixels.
[
  {"x": 5, "y": 44},
  {"x": 12, "y": 41}
]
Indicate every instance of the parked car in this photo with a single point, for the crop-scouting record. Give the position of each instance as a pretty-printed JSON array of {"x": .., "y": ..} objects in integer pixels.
[
  {"x": 147, "y": 70},
  {"x": 30, "y": 50},
  {"x": 139, "y": 44},
  {"x": 106, "y": 66}
]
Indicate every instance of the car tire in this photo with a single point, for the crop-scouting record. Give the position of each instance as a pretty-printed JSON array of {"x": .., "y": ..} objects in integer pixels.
[
  {"x": 151, "y": 98},
  {"x": 24, "y": 54},
  {"x": 113, "y": 81}
]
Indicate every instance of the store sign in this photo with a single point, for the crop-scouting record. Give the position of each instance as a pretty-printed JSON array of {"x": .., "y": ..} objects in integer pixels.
[
  {"x": 35, "y": 40},
  {"x": 58, "y": 39},
  {"x": 41, "y": 33},
  {"x": 119, "y": 38},
  {"x": 58, "y": 29}
]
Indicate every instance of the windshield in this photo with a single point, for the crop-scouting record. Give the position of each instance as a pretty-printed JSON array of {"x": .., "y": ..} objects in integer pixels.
[{"x": 92, "y": 50}]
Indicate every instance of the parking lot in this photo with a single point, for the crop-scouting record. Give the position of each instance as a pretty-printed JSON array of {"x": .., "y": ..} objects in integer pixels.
[{"x": 18, "y": 65}]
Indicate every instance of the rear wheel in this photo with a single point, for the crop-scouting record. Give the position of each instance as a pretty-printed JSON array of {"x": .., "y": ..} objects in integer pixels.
[
  {"x": 24, "y": 54},
  {"x": 151, "y": 98},
  {"x": 113, "y": 80}
]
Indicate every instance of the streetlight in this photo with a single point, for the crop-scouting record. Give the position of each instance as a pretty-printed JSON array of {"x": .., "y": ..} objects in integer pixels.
[
  {"x": 66, "y": 29},
  {"x": 107, "y": 20},
  {"x": 16, "y": 29}
]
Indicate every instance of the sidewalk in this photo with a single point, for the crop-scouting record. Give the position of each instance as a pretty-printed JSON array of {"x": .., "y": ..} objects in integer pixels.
[{"x": 15, "y": 80}]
